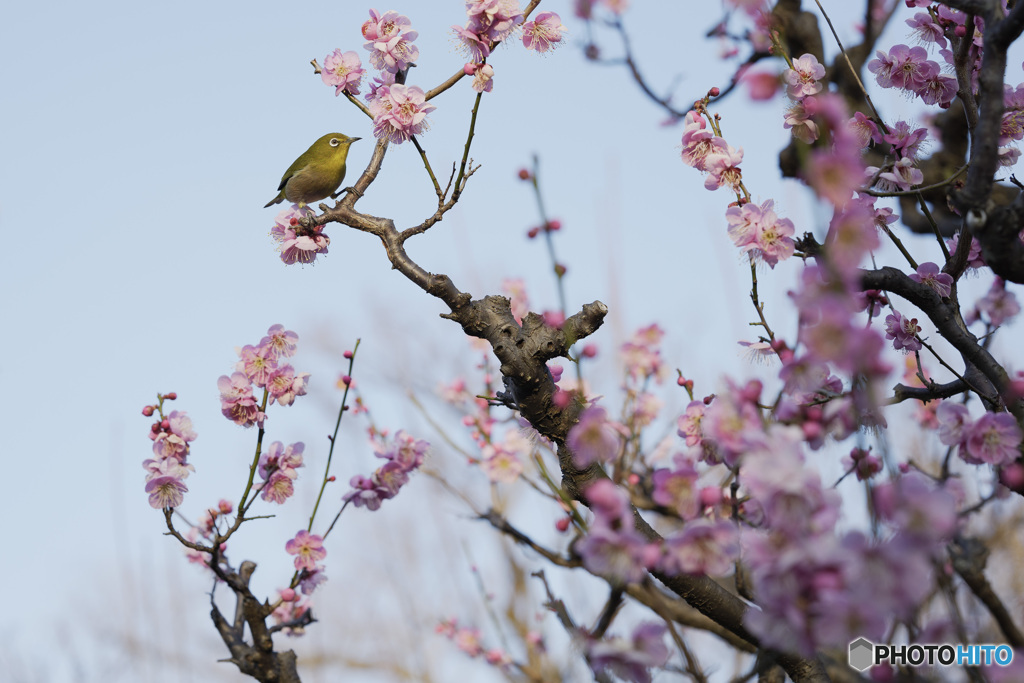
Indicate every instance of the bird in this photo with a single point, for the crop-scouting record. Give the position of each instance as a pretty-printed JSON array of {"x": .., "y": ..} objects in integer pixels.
[{"x": 317, "y": 173}]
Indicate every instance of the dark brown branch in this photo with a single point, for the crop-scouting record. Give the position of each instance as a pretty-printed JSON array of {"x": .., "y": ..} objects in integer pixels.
[{"x": 969, "y": 556}]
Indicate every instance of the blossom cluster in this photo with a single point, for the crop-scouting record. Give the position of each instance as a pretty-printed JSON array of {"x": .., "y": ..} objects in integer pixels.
[
  {"x": 994, "y": 438},
  {"x": 755, "y": 229},
  {"x": 632, "y": 659},
  {"x": 488, "y": 22},
  {"x": 296, "y": 243},
  {"x": 403, "y": 456},
  {"x": 399, "y": 111},
  {"x": 167, "y": 470},
  {"x": 261, "y": 366},
  {"x": 468, "y": 640},
  {"x": 277, "y": 468}
]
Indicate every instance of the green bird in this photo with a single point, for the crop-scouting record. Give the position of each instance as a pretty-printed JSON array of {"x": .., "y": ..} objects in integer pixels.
[{"x": 317, "y": 174}]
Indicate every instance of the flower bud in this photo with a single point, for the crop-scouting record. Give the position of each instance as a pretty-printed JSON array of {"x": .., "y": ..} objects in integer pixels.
[{"x": 148, "y": 411}]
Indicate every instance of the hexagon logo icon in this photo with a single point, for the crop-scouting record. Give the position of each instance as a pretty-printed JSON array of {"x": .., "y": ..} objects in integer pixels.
[{"x": 862, "y": 653}]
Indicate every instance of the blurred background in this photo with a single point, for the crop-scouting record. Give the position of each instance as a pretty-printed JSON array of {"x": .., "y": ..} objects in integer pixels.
[{"x": 139, "y": 143}]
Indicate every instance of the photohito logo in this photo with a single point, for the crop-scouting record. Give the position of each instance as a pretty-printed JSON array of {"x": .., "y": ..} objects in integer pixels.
[{"x": 864, "y": 654}]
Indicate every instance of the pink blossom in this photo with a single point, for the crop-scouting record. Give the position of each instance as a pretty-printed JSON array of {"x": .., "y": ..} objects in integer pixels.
[
  {"x": 593, "y": 438},
  {"x": 501, "y": 465},
  {"x": 863, "y": 129},
  {"x": 257, "y": 363},
  {"x": 851, "y": 235},
  {"x": 676, "y": 489},
  {"x": 974, "y": 259},
  {"x": 468, "y": 640},
  {"x": 834, "y": 174},
  {"x": 929, "y": 274},
  {"x": 760, "y": 230},
  {"x": 702, "y": 547},
  {"x": 277, "y": 489},
  {"x": 630, "y": 660},
  {"x": 236, "y": 399},
  {"x": 999, "y": 304},
  {"x": 284, "y": 385},
  {"x": 400, "y": 112},
  {"x": 365, "y": 493},
  {"x": 344, "y": 71},
  {"x": 761, "y": 85},
  {"x": 699, "y": 143},
  {"x": 954, "y": 422},
  {"x": 483, "y": 77},
  {"x": 690, "y": 423},
  {"x": 903, "y": 332},
  {"x": 296, "y": 248},
  {"x": 494, "y": 19},
  {"x": 308, "y": 550},
  {"x": 165, "y": 492},
  {"x": 926, "y": 30},
  {"x": 544, "y": 33},
  {"x": 994, "y": 438},
  {"x": 798, "y": 118},
  {"x": 310, "y": 579},
  {"x": 723, "y": 167},
  {"x": 281, "y": 342},
  {"x": 803, "y": 79},
  {"x": 903, "y": 67},
  {"x": 389, "y": 40},
  {"x": 477, "y": 46},
  {"x": 901, "y": 178}
]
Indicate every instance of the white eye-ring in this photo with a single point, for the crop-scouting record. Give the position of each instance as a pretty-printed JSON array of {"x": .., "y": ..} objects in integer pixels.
[{"x": 334, "y": 142}]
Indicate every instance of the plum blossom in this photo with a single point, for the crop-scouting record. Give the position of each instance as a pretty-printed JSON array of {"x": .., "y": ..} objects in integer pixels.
[
  {"x": 929, "y": 274},
  {"x": 999, "y": 304},
  {"x": 902, "y": 331},
  {"x": 308, "y": 549},
  {"x": 702, "y": 547},
  {"x": 543, "y": 33},
  {"x": 344, "y": 71},
  {"x": 723, "y": 167},
  {"x": 237, "y": 402},
  {"x": 758, "y": 229},
  {"x": 630, "y": 660},
  {"x": 389, "y": 40},
  {"x": 594, "y": 438},
  {"x": 994, "y": 438},
  {"x": 804, "y": 78},
  {"x": 399, "y": 112}
]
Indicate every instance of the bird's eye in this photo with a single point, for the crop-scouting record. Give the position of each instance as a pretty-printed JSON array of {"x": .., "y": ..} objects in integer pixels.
[{"x": 334, "y": 142}]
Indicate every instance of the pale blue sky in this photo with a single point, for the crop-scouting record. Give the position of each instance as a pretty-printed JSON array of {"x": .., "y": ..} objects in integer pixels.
[{"x": 138, "y": 146}]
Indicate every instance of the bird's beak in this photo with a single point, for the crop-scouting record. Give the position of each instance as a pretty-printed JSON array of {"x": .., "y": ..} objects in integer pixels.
[{"x": 354, "y": 139}]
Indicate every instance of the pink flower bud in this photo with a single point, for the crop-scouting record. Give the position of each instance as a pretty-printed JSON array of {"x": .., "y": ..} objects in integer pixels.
[
  {"x": 532, "y": 232},
  {"x": 633, "y": 479},
  {"x": 714, "y": 92},
  {"x": 225, "y": 507},
  {"x": 553, "y": 225},
  {"x": 710, "y": 496},
  {"x": 288, "y": 595},
  {"x": 589, "y": 351},
  {"x": 562, "y": 524},
  {"x": 469, "y": 69},
  {"x": 562, "y": 399},
  {"x": 524, "y": 174},
  {"x": 346, "y": 380},
  {"x": 171, "y": 396},
  {"x": 332, "y": 478},
  {"x": 960, "y": 31},
  {"x": 1012, "y": 476},
  {"x": 148, "y": 411},
  {"x": 347, "y": 355}
]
